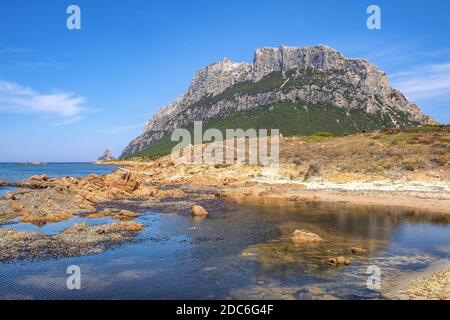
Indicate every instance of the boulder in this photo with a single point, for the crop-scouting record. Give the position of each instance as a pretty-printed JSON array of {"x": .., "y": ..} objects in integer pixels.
[
  {"x": 123, "y": 226},
  {"x": 125, "y": 214},
  {"x": 17, "y": 207},
  {"x": 338, "y": 261},
  {"x": 198, "y": 211},
  {"x": 44, "y": 217},
  {"x": 303, "y": 236},
  {"x": 77, "y": 228},
  {"x": 38, "y": 181},
  {"x": 121, "y": 215},
  {"x": 358, "y": 251}
]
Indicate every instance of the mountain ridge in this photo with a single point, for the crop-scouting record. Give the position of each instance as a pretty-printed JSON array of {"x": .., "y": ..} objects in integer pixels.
[{"x": 310, "y": 75}]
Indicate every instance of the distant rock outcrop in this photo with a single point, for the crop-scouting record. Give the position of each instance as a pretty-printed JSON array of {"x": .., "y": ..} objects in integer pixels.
[{"x": 107, "y": 156}]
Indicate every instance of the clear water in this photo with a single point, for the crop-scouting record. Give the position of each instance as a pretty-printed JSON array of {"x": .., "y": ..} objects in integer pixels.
[
  {"x": 55, "y": 228},
  {"x": 4, "y": 190},
  {"x": 12, "y": 172},
  {"x": 177, "y": 257}
]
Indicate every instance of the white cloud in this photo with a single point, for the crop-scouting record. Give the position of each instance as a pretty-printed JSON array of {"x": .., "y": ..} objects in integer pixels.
[
  {"x": 424, "y": 82},
  {"x": 19, "y": 99}
]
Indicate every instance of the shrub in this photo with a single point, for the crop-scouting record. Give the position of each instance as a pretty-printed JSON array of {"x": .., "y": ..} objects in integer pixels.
[
  {"x": 323, "y": 134},
  {"x": 312, "y": 171},
  {"x": 414, "y": 163}
]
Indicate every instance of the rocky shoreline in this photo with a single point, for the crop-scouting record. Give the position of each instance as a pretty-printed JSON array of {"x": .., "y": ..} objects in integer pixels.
[
  {"x": 41, "y": 200},
  {"x": 163, "y": 186},
  {"x": 77, "y": 240},
  {"x": 6, "y": 184},
  {"x": 159, "y": 186},
  {"x": 433, "y": 283}
]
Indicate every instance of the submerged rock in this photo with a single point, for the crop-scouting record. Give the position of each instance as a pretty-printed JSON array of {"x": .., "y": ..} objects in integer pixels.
[
  {"x": 121, "y": 215},
  {"x": 77, "y": 240},
  {"x": 6, "y": 183},
  {"x": 42, "y": 219},
  {"x": 198, "y": 211},
  {"x": 358, "y": 251},
  {"x": 339, "y": 261},
  {"x": 303, "y": 236}
]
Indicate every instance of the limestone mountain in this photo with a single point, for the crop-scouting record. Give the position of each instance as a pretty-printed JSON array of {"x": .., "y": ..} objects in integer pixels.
[
  {"x": 297, "y": 90},
  {"x": 106, "y": 156}
]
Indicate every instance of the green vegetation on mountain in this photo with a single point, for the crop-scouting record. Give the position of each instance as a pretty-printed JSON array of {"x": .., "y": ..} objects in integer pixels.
[
  {"x": 276, "y": 81},
  {"x": 292, "y": 119}
]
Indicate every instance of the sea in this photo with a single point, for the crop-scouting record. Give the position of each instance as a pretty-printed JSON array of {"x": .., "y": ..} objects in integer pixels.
[{"x": 15, "y": 172}]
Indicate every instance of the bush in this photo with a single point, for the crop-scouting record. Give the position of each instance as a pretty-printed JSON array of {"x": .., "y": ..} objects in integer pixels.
[
  {"x": 323, "y": 134},
  {"x": 312, "y": 171}
]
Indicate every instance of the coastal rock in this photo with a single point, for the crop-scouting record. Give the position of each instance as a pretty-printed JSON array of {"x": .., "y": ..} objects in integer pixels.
[
  {"x": 44, "y": 218},
  {"x": 107, "y": 156},
  {"x": 198, "y": 211},
  {"x": 339, "y": 261},
  {"x": 77, "y": 240},
  {"x": 51, "y": 200},
  {"x": 435, "y": 286},
  {"x": 358, "y": 251},
  {"x": 96, "y": 231},
  {"x": 33, "y": 163},
  {"x": 146, "y": 191},
  {"x": 4, "y": 183},
  {"x": 37, "y": 181},
  {"x": 303, "y": 236},
  {"x": 17, "y": 206},
  {"x": 77, "y": 228},
  {"x": 313, "y": 293},
  {"x": 230, "y": 181},
  {"x": 121, "y": 215},
  {"x": 125, "y": 214}
]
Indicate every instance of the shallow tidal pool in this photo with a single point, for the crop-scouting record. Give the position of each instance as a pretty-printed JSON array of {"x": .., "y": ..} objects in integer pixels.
[{"x": 242, "y": 252}]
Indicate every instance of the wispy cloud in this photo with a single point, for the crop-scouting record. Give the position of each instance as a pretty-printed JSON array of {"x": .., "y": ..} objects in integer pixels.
[
  {"x": 20, "y": 99},
  {"x": 424, "y": 82},
  {"x": 121, "y": 129},
  {"x": 385, "y": 52},
  {"x": 67, "y": 121},
  {"x": 13, "y": 50},
  {"x": 13, "y": 59}
]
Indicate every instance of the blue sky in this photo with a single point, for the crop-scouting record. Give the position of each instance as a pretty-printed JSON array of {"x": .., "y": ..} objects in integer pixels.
[{"x": 67, "y": 95}]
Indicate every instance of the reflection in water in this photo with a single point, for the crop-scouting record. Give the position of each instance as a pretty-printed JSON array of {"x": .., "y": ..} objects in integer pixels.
[{"x": 245, "y": 252}]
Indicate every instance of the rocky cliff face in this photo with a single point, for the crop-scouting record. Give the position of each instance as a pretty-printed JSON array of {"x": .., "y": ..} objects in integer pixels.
[
  {"x": 107, "y": 156},
  {"x": 311, "y": 75}
]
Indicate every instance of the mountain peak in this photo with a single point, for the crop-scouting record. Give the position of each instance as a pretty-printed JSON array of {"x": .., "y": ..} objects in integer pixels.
[{"x": 314, "y": 75}]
